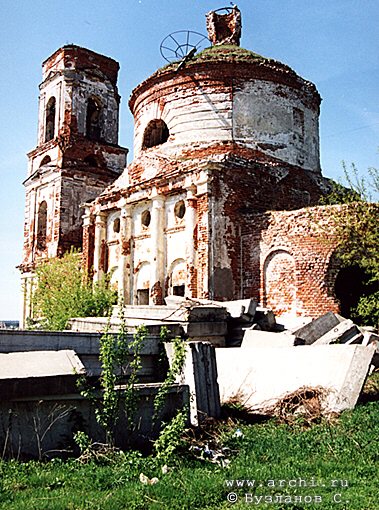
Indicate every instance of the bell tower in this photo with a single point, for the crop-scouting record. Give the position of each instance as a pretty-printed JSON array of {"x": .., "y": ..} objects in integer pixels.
[{"x": 77, "y": 154}]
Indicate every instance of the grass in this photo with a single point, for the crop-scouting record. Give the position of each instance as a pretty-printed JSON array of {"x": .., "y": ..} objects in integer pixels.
[{"x": 346, "y": 451}]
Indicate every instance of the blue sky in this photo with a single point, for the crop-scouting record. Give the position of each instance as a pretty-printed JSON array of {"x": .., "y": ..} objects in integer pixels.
[{"x": 331, "y": 43}]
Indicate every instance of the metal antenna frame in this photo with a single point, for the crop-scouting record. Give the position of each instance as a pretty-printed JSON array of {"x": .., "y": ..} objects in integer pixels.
[
  {"x": 228, "y": 10},
  {"x": 182, "y": 42}
]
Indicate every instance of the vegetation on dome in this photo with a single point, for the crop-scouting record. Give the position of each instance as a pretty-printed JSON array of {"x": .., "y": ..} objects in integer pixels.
[{"x": 220, "y": 52}]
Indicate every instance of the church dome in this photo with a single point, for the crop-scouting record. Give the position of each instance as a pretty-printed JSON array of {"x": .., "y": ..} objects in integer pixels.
[{"x": 228, "y": 94}]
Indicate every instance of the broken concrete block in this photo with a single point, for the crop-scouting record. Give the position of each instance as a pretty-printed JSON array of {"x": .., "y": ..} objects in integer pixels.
[
  {"x": 262, "y": 339},
  {"x": 369, "y": 337},
  {"x": 237, "y": 308},
  {"x": 373, "y": 339},
  {"x": 265, "y": 318},
  {"x": 241, "y": 308},
  {"x": 317, "y": 328},
  {"x": 344, "y": 332},
  {"x": 200, "y": 374},
  {"x": 265, "y": 376},
  {"x": 41, "y": 373},
  {"x": 291, "y": 323}
]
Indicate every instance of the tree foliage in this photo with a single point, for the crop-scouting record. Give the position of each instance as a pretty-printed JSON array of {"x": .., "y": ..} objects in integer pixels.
[
  {"x": 63, "y": 292},
  {"x": 357, "y": 228}
]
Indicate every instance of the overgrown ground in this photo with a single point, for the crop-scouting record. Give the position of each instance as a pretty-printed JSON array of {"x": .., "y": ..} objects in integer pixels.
[{"x": 333, "y": 465}]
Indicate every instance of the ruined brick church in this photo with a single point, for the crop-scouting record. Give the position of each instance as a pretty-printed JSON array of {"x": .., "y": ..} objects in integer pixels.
[{"x": 216, "y": 203}]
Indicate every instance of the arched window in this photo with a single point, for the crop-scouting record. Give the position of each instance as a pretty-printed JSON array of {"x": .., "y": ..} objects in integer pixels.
[
  {"x": 42, "y": 225},
  {"x": 45, "y": 161},
  {"x": 93, "y": 121},
  {"x": 156, "y": 133},
  {"x": 50, "y": 120}
]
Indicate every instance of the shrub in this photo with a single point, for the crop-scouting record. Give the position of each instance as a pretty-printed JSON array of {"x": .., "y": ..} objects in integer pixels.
[{"x": 62, "y": 292}]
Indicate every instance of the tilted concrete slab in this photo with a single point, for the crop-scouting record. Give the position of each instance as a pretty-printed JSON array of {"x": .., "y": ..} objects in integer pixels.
[
  {"x": 260, "y": 339},
  {"x": 317, "y": 328},
  {"x": 259, "y": 378},
  {"x": 344, "y": 332},
  {"x": 200, "y": 374},
  {"x": 39, "y": 373}
]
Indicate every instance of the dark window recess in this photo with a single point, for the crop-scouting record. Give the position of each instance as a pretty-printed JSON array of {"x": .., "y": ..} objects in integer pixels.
[
  {"x": 91, "y": 161},
  {"x": 298, "y": 123},
  {"x": 42, "y": 225},
  {"x": 93, "y": 121},
  {"x": 146, "y": 218},
  {"x": 142, "y": 296},
  {"x": 178, "y": 290},
  {"x": 116, "y": 225},
  {"x": 45, "y": 161},
  {"x": 350, "y": 285},
  {"x": 50, "y": 120},
  {"x": 156, "y": 133},
  {"x": 180, "y": 209}
]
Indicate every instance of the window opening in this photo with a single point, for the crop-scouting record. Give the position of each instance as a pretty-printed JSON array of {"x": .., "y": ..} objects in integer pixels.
[
  {"x": 156, "y": 133},
  {"x": 180, "y": 209},
  {"x": 142, "y": 296},
  {"x": 146, "y": 218},
  {"x": 50, "y": 120},
  {"x": 42, "y": 225},
  {"x": 178, "y": 290},
  {"x": 116, "y": 225},
  {"x": 93, "y": 127},
  {"x": 45, "y": 161}
]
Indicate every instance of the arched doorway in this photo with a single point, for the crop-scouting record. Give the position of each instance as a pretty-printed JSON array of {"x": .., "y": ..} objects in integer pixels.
[
  {"x": 279, "y": 272},
  {"x": 349, "y": 286}
]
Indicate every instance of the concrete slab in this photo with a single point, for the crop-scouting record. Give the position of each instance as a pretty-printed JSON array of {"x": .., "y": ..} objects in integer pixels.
[
  {"x": 317, "y": 328},
  {"x": 86, "y": 346},
  {"x": 34, "y": 427},
  {"x": 261, "y": 377},
  {"x": 260, "y": 339},
  {"x": 39, "y": 373},
  {"x": 344, "y": 332},
  {"x": 200, "y": 374},
  {"x": 236, "y": 308}
]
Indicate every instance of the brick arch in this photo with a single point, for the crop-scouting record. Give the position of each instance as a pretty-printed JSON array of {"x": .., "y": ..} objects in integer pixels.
[{"x": 280, "y": 281}]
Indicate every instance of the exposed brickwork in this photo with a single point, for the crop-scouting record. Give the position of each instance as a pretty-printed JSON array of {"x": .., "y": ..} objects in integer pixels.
[
  {"x": 80, "y": 59},
  {"x": 292, "y": 261},
  {"x": 156, "y": 294},
  {"x": 232, "y": 135},
  {"x": 224, "y": 28},
  {"x": 203, "y": 246},
  {"x": 71, "y": 167},
  {"x": 88, "y": 248}
]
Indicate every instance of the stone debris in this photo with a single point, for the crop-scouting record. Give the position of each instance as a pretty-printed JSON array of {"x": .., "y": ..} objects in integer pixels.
[
  {"x": 266, "y": 375},
  {"x": 314, "y": 370},
  {"x": 261, "y": 339},
  {"x": 346, "y": 332},
  {"x": 29, "y": 374},
  {"x": 318, "y": 327}
]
